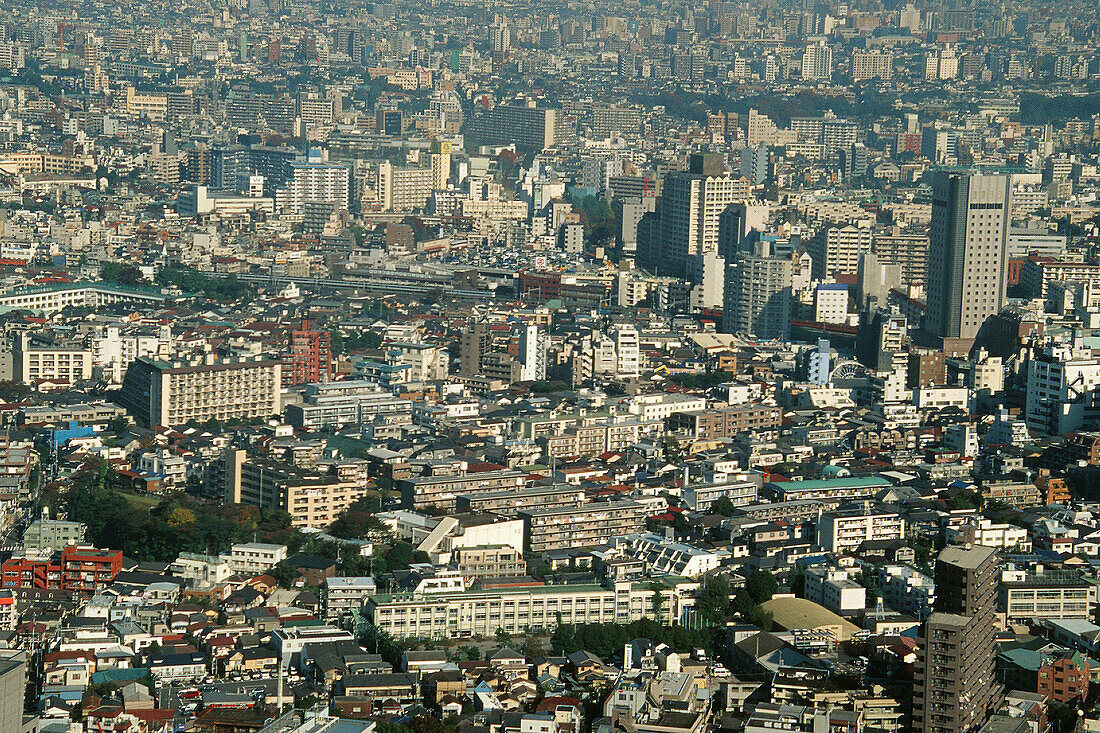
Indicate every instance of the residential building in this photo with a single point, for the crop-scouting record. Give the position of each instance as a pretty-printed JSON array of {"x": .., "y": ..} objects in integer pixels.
[
  {"x": 557, "y": 528},
  {"x": 691, "y": 204},
  {"x": 843, "y": 530},
  {"x": 344, "y": 595},
  {"x": 174, "y": 393},
  {"x": 310, "y": 498},
  {"x": 42, "y": 365},
  {"x": 757, "y": 298},
  {"x": 955, "y": 689}
]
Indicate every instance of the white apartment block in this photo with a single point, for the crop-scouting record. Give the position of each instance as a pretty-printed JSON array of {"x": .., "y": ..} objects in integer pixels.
[
  {"x": 1061, "y": 390},
  {"x": 833, "y": 589},
  {"x": 842, "y": 531},
  {"x": 255, "y": 558}
]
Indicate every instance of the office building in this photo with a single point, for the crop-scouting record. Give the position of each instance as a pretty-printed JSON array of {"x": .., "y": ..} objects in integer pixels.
[
  {"x": 955, "y": 689},
  {"x": 173, "y": 393},
  {"x": 1037, "y": 597},
  {"x": 967, "y": 264}
]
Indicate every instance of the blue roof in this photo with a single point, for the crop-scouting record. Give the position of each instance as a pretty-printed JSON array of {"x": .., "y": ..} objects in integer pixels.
[{"x": 832, "y": 286}]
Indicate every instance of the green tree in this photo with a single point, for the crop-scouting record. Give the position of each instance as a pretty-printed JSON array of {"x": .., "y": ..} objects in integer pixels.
[
  {"x": 713, "y": 599},
  {"x": 722, "y": 505},
  {"x": 761, "y": 586},
  {"x": 502, "y": 637}
]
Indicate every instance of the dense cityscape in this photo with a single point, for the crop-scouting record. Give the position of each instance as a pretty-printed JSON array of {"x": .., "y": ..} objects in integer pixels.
[{"x": 558, "y": 367}]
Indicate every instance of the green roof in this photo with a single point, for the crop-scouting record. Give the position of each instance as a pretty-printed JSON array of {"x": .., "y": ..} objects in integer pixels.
[
  {"x": 852, "y": 482},
  {"x": 119, "y": 675}
]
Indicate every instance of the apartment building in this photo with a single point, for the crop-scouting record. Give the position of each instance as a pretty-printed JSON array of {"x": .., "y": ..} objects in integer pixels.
[
  {"x": 489, "y": 561},
  {"x": 52, "y": 534},
  {"x": 955, "y": 688},
  {"x": 519, "y": 610},
  {"x": 173, "y": 393},
  {"x": 352, "y": 402},
  {"x": 833, "y": 589},
  {"x": 559, "y": 528},
  {"x": 725, "y": 422},
  {"x": 254, "y": 558},
  {"x": 509, "y": 502},
  {"x": 36, "y": 364},
  {"x": 76, "y": 568},
  {"x": 311, "y": 499},
  {"x": 907, "y": 590},
  {"x": 526, "y": 126},
  {"x": 856, "y": 487},
  {"x": 986, "y": 532},
  {"x": 440, "y": 492},
  {"x": 740, "y": 489},
  {"x": 842, "y": 531},
  {"x": 342, "y": 596},
  {"x": 594, "y": 439},
  {"x": 835, "y": 250}
]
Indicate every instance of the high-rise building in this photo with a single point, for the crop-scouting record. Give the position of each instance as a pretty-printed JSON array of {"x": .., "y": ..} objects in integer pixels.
[
  {"x": 308, "y": 358},
  {"x": 872, "y": 65},
  {"x": 817, "y": 62},
  {"x": 441, "y": 163},
  {"x": 532, "y": 353},
  {"x": 403, "y": 189},
  {"x": 13, "y": 688},
  {"x": 967, "y": 263},
  {"x": 836, "y": 250},
  {"x": 954, "y": 686},
  {"x": 475, "y": 344},
  {"x": 758, "y": 293},
  {"x": 315, "y": 182},
  {"x": 691, "y": 204}
]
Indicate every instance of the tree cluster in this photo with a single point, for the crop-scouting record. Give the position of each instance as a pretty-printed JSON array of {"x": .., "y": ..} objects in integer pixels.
[
  {"x": 178, "y": 523},
  {"x": 604, "y": 640},
  {"x": 193, "y": 281},
  {"x": 717, "y": 603}
]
